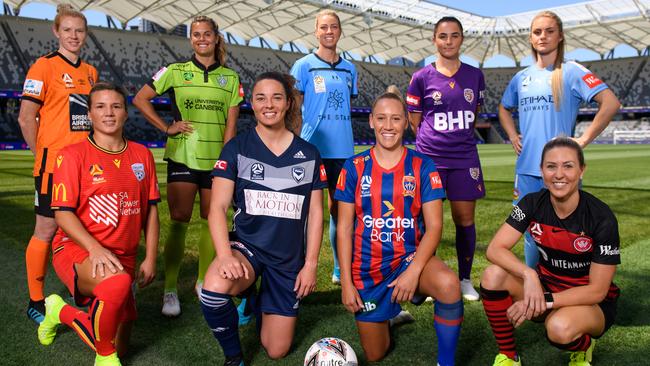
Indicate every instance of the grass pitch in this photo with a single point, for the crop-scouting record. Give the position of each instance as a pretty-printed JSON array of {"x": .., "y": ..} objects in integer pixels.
[{"x": 618, "y": 175}]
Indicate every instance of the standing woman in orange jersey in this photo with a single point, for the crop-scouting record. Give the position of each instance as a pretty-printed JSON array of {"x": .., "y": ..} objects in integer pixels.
[{"x": 53, "y": 114}]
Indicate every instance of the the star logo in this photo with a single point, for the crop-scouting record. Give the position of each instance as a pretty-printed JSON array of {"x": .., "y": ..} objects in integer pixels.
[{"x": 335, "y": 100}]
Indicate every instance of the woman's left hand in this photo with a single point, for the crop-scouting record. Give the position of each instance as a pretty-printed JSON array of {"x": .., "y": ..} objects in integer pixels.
[
  {"x": 306, "y": 280},
  {"x": 404, "y": 285},
  {"x": 517, "y": 313},
  {"x": 147, "y": 272},
  {"x": 533, "y": 295}
]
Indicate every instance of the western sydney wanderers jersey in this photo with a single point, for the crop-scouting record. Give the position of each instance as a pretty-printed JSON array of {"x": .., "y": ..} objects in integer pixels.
[
  {"x": 568, "y": 246},
  {"x": 388, "y": 205},
  {"x": 327, "y": 89},
  {"x": 448, "y": 106},
  {"x": 61, "y": 88},
  {"x": 530, "y": 93},
  {"x": 202, "y": 96},
  {"x": 110, "y": 192},
  {"x": 272, "y": 195}
]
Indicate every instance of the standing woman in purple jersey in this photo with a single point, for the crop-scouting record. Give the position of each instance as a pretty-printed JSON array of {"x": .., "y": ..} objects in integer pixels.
[{"x": 443, "y": 102}]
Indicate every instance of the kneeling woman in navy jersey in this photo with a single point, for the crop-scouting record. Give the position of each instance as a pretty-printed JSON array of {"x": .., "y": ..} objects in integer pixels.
[
  {"x": 104, "y": 195},
  {"x": 276, "y": 180},
  {"x": 571, "y": 288},
  {"x": 390, "y": 223}
]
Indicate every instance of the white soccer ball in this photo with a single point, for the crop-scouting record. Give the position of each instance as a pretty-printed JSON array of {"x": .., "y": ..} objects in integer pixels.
[{"x": 330, "y": 352}]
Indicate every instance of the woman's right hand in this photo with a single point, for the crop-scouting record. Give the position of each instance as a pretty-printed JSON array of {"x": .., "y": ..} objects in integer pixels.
[
  {"x": 179, "y": 127},
  {"x": 515, "y": 140},
  {"x": 533, "y": 295},
  {"x": 350, "y": 298},
  {"x": 101, "y": 257},
  {"x": 230, "y": 267}
]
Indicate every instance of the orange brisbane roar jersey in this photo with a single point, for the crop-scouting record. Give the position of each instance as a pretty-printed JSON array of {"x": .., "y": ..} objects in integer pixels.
[
  {"x": 110, "y": 192},
  {"x": 61, "y": 88}
]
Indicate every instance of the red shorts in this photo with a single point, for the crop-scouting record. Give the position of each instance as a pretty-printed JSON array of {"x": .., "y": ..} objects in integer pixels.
[{"x": 64, "y": 258}]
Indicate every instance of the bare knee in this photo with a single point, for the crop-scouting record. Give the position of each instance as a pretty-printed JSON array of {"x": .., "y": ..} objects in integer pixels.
[
  {"x": 374, "y": 355},
  {"x": 276, "y": 349},
  {"x": 180, "y": 215},
  {"x": 45, "y": 228},
  {"x": 493, "y": 277},
  {"x": 445, "y": 286},
  {"x": 559, "y": 330}
]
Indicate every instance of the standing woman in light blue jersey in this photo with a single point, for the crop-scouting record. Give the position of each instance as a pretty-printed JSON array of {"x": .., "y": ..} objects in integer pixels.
[
  {"x": 547, "y": 95},
  {"x": 327, "y": 83}
]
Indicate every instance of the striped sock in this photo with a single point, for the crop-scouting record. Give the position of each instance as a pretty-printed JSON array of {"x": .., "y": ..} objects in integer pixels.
[
  {"x": 447, "y": 320},
  {"x": 496, "y": 304},
  {"x": 580, "y": 344},
  {"x": 106, "y": 311},
  {"x": 221, "y": 315}
]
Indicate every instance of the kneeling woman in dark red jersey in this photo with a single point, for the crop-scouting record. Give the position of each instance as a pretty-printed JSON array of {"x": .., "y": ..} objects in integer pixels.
[
  {"x": 571, "y": 289},
  {"x": 104, "y": 194},
  {"x": 390, "y": 223}
]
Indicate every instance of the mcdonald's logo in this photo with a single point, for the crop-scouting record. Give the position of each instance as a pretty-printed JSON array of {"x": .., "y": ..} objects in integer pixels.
[{"x": 60, "y": 188}]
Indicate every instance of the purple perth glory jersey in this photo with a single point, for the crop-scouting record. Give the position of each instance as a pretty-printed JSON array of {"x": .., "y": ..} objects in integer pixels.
[{"x": 448, "y": 106}]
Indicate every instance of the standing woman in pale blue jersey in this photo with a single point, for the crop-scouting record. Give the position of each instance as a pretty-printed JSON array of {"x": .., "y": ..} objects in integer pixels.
[
  {"x": 327, "y": 83},
  {"x": 547, "y": 95}
]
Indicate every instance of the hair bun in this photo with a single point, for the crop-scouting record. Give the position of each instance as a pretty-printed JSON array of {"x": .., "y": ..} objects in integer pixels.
[{"x": 62, "y": 8}]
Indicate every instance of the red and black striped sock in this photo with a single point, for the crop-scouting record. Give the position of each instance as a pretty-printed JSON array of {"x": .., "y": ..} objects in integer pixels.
[
  {"x": 579, "y": 345},
  {"x": 496, "y": 304}
]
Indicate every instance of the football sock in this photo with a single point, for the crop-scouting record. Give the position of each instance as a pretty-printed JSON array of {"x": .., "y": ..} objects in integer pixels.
[
  {"x": 206, "y": 250},
  {"x": 106, "y": 310},
  {"x": 36, "y": 258},
  {"x": 530, "y": 251},
  {"x": 174, "y": 248},
  {"x": 336, "y": 270},
  {"x": 496, "y": 304},
  {"x": 465, "y": 247},
  {"x": 447, "y": 320},
  {"x": 580, "y": 344},
  {"x": 79, "y": 321},
  {"x": 221, "y": 315}
]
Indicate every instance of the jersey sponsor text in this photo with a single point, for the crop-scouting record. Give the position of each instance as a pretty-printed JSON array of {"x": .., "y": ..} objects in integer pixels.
[{"x": 275, "y": 204}]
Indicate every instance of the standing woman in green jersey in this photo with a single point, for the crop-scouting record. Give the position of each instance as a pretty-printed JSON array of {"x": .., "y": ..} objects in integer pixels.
[{"x": 205, "y": 99}]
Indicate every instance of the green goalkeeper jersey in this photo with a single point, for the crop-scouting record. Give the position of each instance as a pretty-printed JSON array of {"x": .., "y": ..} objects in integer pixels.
[{"x": 201, "y": 96}]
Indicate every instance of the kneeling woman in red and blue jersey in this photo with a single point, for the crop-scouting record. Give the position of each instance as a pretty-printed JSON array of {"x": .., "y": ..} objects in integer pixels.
[
  {"x": 276, "y": 180},
  {"x": 104, "y": 194},
  {"x": 571, "y": 289},
  {"x": 390, "y": 223}
]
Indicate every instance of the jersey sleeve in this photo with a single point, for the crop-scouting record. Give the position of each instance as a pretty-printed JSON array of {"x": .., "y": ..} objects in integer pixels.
[
  {"x": 431, "y": 185},
  {"x": 481, "y": 88},
  {"x": 154, "y": 191},
  {"x": 583, "y": 83},
  {"x": 606, "y": 241},
  {"x": 66, "y": 181},
  {"x": 319, "y": 180},
  {"x": 296, "y": 72},
  {"x": 35, "y": 86},
  {"x": 414, "y": 94},
  {"x": 511, "y": 94},
  {"x": 226, "y": 166},
  {"x": 521, "y": 214},
  {"x": 346, "y": 184},
  {"x": 237, "y": 95},
  {"x": 162, "y": 80},
  {"x": 355, "y": 82},
  {"x": 94, "y": 74}
]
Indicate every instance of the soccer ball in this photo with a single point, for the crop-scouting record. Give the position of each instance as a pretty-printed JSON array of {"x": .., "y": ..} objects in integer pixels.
[{"x": 330, "y": 352}]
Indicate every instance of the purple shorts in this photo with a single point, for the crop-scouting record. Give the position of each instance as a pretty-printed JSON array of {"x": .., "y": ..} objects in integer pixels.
[{"x": 465, "y": 184}]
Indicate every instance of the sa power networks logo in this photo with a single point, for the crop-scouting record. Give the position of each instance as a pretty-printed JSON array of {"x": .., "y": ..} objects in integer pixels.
[{"x": 104, "y": 209}]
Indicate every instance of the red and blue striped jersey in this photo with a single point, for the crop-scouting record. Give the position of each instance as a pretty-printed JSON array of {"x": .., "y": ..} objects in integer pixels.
[{"x": 388, "y": 204}]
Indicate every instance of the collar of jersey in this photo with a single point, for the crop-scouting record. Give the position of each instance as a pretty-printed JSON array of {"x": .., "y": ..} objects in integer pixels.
[
  {"x": 91, "y": 139},
  {"x": 332, "y": 65},
  {"x": 75, "y": 65},
  {"x": 196, "y": 63}
]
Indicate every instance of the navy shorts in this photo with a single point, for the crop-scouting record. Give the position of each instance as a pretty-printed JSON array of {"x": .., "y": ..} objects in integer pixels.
[
  {"x": 333, "y": 169},
  {"x": 464, "y": 184},
  {"x": 276, "y": 294},
  {"x": 376, "y": 299},
  {"x": 177, "y": 172}
]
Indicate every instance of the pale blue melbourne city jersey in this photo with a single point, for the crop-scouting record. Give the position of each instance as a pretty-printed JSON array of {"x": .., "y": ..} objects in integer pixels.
[
  {"x": 327, "y": 89},
  {"x": 530, "y": 92}
]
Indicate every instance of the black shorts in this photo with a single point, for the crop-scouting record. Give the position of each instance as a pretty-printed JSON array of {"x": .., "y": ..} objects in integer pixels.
[
  {"x": 43, "y": 195},
  {"x": 177, "y": 172},
  {"x": 333, "y": 169},
  {"x": 609, "y": 310}
]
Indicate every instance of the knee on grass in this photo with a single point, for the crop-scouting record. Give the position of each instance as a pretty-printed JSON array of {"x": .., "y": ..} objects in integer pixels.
[{"x": 276, "y": 349}]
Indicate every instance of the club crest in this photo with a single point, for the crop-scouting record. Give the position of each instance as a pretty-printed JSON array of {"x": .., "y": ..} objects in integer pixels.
[
  {"x": 298, "y": 173},
  {"x": 469, "y": 95},
  {"x": 475, "y": 173},
  {"x": 138, "y": 171},
  {"x": 409, "y": 184}
]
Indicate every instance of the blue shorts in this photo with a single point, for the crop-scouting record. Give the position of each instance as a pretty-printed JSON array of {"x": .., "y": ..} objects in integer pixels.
[
  {"x": 464, "y": 184},
  {"x": 378, "y": 307},
  {"x": 276, "y": 294},
  {"x": 525, "y": 184}
]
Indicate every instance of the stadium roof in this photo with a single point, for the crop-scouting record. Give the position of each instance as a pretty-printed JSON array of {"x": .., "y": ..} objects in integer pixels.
[{"x": 394, "y": 28}]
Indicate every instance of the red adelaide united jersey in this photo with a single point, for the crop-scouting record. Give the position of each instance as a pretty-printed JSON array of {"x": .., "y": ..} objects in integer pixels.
[{"x": 110, "y": 192}]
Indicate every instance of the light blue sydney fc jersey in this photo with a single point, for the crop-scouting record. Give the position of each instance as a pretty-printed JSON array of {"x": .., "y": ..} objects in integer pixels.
[
  {"x": 530, "y": 92},
  {"x": 327, "y": 89}
]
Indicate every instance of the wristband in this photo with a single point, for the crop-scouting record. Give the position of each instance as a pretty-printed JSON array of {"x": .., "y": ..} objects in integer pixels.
[{"x": 548, "y": 297}]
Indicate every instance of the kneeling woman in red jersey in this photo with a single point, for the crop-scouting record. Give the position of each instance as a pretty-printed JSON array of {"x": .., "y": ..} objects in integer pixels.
[
  {"x": 571, "y": 288},
  {"x": 390, "y": 223},
  {"x": 104, "y": 194}
]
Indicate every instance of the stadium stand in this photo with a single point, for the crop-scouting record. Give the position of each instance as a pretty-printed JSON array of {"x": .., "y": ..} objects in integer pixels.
[
  {"x": 11, "y": 72},
  {"x": 607, "y": 136}
]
